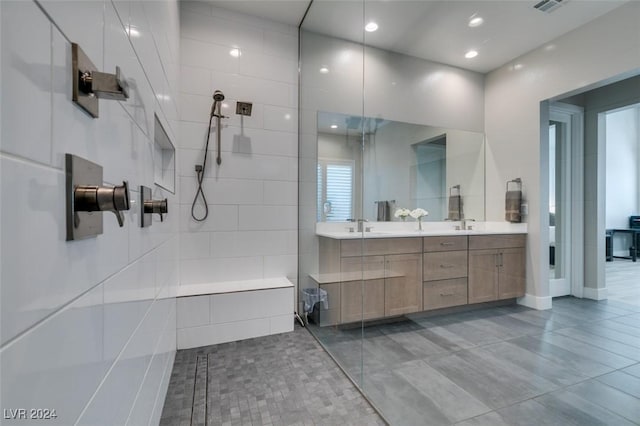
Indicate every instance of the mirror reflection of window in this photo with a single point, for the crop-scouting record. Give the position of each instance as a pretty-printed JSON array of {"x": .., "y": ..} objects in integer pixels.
[{"x": 335, "y": 190}]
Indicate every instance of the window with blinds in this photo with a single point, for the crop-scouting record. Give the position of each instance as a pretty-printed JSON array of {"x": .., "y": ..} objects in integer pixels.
[{"x": 335, "y": 190}]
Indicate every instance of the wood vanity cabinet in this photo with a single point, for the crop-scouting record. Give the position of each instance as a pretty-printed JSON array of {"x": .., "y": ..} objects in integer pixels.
[
  {"x": 496, "y": 267},
  {"x": 378, "y": 277},
  {"x": 384, "y": 277},
  {"x": 444, "y": 272}
]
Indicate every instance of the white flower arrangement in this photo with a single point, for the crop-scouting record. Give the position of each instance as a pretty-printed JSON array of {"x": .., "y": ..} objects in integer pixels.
[
  {"x": 419, "y": 213},
  {"x": 402, "y": 213}
]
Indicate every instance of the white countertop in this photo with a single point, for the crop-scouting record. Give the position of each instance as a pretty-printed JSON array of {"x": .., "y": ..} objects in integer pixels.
[{"x": 409, "y": 229}]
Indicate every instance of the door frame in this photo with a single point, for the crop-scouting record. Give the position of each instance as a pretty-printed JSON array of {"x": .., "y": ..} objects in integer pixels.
[{"x": 573, "y": 116}]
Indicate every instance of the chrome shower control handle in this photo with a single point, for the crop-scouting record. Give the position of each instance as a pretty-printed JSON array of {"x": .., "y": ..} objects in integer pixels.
[
  {"x": 102, "y": 198},
  {"x": 157, "y": 206}
]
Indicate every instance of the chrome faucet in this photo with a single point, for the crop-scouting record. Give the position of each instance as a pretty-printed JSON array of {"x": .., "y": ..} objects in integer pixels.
[
  {"x": 360, "y": 224},
  {"x": 465, "y": 225}
]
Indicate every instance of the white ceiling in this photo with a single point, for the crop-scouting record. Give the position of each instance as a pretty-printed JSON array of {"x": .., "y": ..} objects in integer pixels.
[{"x": 435, "y": 30}]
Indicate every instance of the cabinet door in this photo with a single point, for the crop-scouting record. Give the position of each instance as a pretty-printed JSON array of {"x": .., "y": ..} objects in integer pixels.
[
  {"x": 512, "y": 277},
  {"x": 403, "y": 285},
  {"x": 362, "y": 298},
  {"x": 483, "y": 276}
]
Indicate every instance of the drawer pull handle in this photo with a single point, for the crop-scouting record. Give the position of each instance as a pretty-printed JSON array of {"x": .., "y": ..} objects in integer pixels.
[
  {"x": 446, "y": 244},
  {"x": 447, "y": 294},
  {"x": 447, "y": 266}
]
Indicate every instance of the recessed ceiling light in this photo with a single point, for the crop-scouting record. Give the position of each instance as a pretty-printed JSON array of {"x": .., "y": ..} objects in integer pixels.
[
  {"x": 334, "y": 126},
  {"x": 235, "y": 52},
  {"x": 132, "y": 32},
  {"x": 471, "y": 54},
  {"x": 475, "y": 21},
  {"x": 287, "y": 116},
  {"x": 518, "y": 66},
  {"x": 371, "y": 27},
  {"x": 324, "y": 70}
]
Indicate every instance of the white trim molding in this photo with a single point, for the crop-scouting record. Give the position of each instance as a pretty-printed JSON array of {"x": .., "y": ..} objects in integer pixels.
[
  {"x": 535, "y": 302},
  {"x": 594, "y": 293}
]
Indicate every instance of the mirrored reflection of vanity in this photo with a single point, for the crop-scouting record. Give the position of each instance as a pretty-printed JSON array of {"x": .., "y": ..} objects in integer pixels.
[{"x": 363, "y": 161}]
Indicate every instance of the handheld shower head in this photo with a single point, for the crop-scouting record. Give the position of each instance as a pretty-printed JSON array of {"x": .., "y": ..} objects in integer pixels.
[{"x": 218, "y": 96}]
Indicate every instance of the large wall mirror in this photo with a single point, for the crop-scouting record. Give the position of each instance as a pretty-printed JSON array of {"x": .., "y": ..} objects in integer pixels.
[{"x": 392, "y": 164}]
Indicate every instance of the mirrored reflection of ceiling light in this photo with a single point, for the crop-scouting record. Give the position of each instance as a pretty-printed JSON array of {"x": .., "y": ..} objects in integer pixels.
[
  {"x": 324, "y": 70},
  {"x": 475, "y": 21},
  {"x": 235, "y": 52},
  {"x": 287, "y": 116},
  {"x": 334, "y": 126},
  {"x": 371, "y": 27},
  {"x": 132, "y": 32},
  {"x": 471, "y": 54},
  {"x": 225, "y": 105},
  {"x": 518, "y": 67}
]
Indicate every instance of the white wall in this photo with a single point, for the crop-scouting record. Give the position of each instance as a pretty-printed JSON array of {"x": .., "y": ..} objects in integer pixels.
[
  {"x": 88, "y": 327},
  {"x": 600, "y": 50},
  {"x": 622, "y": 159},
  {"x": 251, "y": 229}
]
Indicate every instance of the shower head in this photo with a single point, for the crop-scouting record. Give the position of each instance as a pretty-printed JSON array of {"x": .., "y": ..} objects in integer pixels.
[{"x": 218, "y": 96}]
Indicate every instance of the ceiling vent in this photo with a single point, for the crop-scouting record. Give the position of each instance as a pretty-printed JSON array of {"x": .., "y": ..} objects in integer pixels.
[{"x": 549, "y": 6}]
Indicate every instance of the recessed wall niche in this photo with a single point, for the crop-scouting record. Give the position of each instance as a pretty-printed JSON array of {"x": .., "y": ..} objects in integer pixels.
[{"x": 164, "y": 159}]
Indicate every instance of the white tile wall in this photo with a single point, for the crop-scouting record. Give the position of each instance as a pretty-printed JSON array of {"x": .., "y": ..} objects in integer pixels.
[
  {"x": 252, "y": 195},
  {"x": 218, "y": 318},
  {"x": 87, "y": 327}
]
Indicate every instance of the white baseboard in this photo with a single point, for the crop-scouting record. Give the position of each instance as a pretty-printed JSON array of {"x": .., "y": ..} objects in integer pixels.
[
  {"x": 535, "y": 302},
  {"x": 594, "y": 293}
]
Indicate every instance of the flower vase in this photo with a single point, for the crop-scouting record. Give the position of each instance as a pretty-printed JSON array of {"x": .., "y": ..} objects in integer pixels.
[{"x": 420, "y": 224}]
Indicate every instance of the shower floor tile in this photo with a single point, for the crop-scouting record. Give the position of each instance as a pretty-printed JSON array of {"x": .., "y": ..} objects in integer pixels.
[{"x": 284, "y": 379}]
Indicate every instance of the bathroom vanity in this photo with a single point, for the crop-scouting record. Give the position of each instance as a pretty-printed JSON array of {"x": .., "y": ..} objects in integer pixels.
[{"x": 387, "y": 274}]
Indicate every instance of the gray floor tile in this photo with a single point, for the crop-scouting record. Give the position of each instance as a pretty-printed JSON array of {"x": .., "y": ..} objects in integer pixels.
[
  {"x": 609, "y": 398},
  {"x": 495, "y": 386},
  {"x": 402, "y": 404},
  {"x": 533, "y": 413},
  {"x": 562, "y": 357},
  {"x": 513, "y": 357},
  {"x": 489, "y": 419},
  {"x": 634, "y": 370},
  {"x": 600, "y": 341},
  {"x": 624, "y": 382},
  {"x": 451, "y": 400},
  {"x": 587, "y": 350},
  {"x": 580, "y": 411}
]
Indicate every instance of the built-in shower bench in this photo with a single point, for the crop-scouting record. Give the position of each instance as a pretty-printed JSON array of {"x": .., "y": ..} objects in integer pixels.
[{"x": 221, "y": 312}]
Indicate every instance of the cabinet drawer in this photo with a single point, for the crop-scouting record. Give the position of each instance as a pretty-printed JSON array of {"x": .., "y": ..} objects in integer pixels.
[
  {"x": 442, "y": 294},
  {"x": 481, "y": 242},
  {"x": 380, "y": 246},
  {"x": 445, "y": 243},
  {"x": 444, "y": 265}
]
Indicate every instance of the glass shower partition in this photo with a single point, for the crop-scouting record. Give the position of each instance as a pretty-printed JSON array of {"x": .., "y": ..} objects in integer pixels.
[{"x": 332, "y": 288}]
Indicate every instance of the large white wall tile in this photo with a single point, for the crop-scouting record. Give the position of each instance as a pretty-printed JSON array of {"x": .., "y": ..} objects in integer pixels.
[
  {"x": 59, "y": 363},
  {"x": 221, "y": 333},
  {"x": 26, "y": 81},
  {"x": 84, "y": 302},
  {"x": 193, "y": 311},
  {"x": 249, "y": 305},
  {"x": 202, "y": 271},
  {"x": 208, "y": 55},
  {"x": 267, "y": 218}
]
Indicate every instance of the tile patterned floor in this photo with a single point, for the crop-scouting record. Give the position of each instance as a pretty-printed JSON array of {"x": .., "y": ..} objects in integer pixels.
[
  {"x": 578, "y": 364},
  {"x": 285, "y": 379}
]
